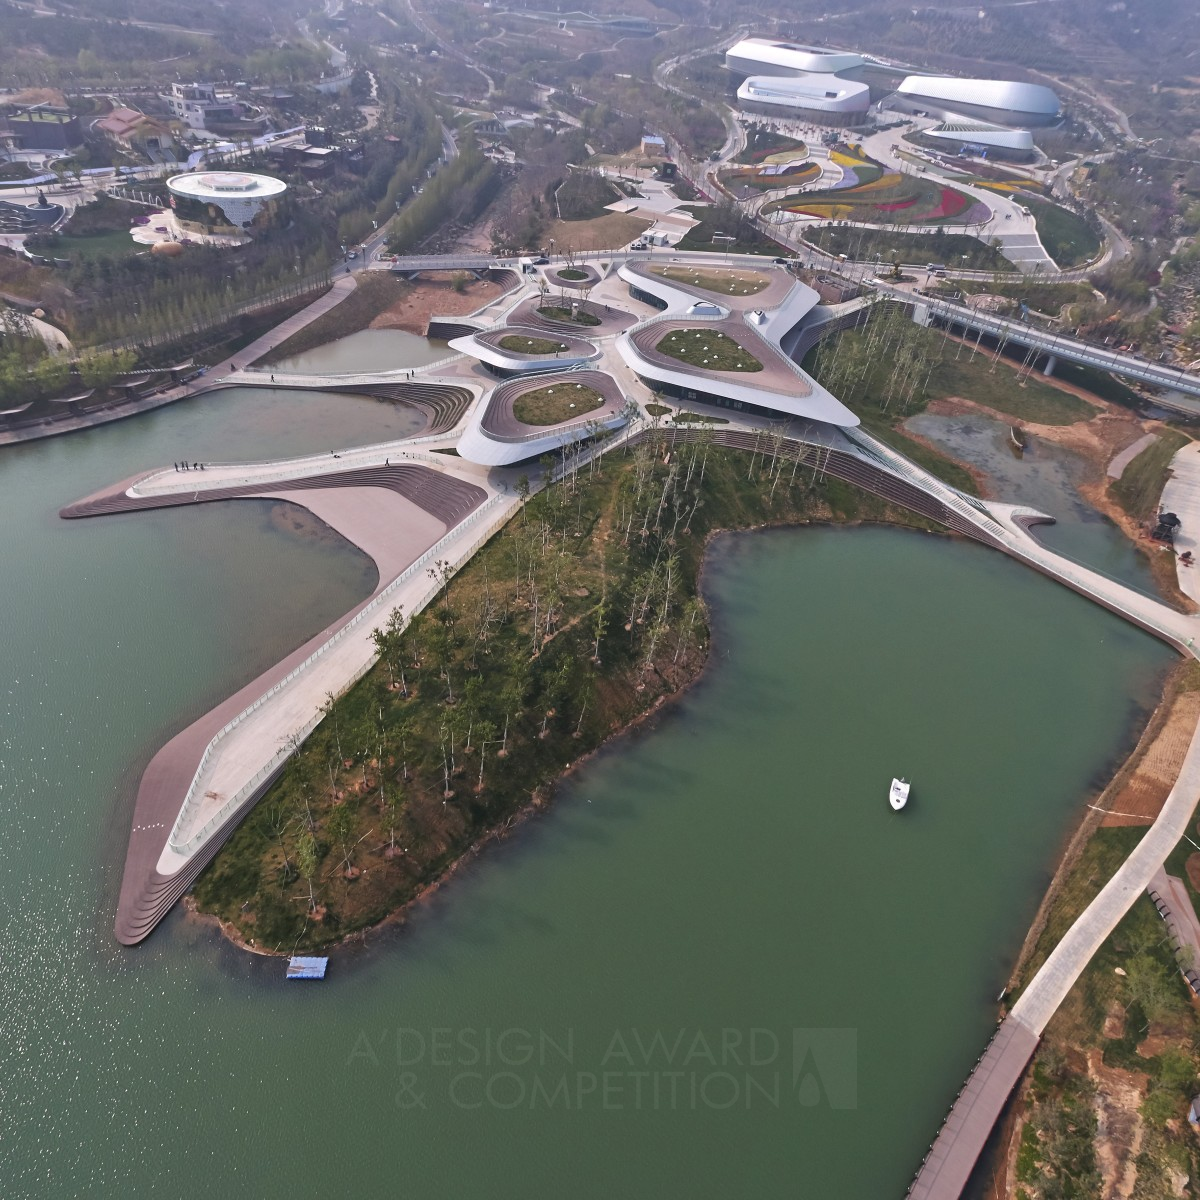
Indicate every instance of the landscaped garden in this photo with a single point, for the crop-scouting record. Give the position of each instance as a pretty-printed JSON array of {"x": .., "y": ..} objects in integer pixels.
[
  {"x": 555, "y": 403},
  {"x": 955, "y": 249},
  {"x": 1042, "y": 297},
  {"x": 727, "y": 220},
  {"x": 763, "y": 144},
  {"x": 1067, "y": 237},
  {"x": 767, "y": 176},
  {"x": 890, "y": 198},
  {"x": 554, "y": 312},
  {"x": 714, "y": 279},
  {"x": 571, "y": 273},
  {"x": 708, "y": 348},
  {"x": 527, "y": 345}
]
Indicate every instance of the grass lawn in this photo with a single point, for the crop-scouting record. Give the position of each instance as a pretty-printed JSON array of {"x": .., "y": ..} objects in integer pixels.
[
  {"x": 714, "y": 279},
  {"x": 600, "y": 233},
  {"x": 526, "y": 345},
  {"x": 116, "y": 244},
  {"x": 557, "y": 402},
  {"x": 571, "y": 273},
  {"x": 707, "y": 348},
  {"x": 657, "y": 410},
  {"x": 1067, "y": 237},
  {"x": 1139, "y": 489},
  {"x": 749, "y": 239},
  {"x": 553, "y": 312},
  {"x": 949, "y": 248},
  {"x": 1000, "y": 391},
  {"x": 1106, "y": 386}
]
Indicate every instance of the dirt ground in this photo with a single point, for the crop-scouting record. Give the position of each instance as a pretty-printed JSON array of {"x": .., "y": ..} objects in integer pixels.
[
  {"x": 608, "y": 232},
  {"x": 1097, "y": 441},
  {"x": 1141, "y": 799},
  {"x": 1119, "y": 1127},
  {"x": 435, "y": 297}
]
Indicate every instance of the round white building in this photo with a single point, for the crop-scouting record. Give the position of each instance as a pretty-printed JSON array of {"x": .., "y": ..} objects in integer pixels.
[{"x": 239, "y": 195}]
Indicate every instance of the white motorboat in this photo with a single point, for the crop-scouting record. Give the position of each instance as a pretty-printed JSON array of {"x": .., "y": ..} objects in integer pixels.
[{"x": 898, "y": 794}]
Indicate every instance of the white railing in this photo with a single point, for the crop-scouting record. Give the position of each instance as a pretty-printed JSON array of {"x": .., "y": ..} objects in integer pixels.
[
  {"x": 1112, "y": 593},
  {"x": 191, "y": 800},
  {"x": 927, "y": 482},
  {"x": 266, "y": 474},
  {"x": 563, "y": 433},
  {"x": 1051, "y": 343}
]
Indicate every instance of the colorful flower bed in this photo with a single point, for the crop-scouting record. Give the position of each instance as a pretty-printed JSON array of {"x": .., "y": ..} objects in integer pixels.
[
  {"x": 769, "y": 175},
  {"x": 892, "y": 198}
]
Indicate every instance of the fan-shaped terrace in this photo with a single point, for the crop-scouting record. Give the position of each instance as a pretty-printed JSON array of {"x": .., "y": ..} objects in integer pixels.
[
  {"x": 740, "y": 289},
  {"x": 664, "y": 343},
  {"x": 516, "y": 421},
  {"x": 517, "y": 349},
  {"x": 607, "y": 319}
]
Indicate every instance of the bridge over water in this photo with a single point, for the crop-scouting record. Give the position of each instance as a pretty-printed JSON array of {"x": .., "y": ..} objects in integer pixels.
[{"x": 1052, "y": 345}]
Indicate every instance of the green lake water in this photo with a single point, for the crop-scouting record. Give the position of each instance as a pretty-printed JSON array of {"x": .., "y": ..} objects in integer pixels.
[
  {"x": 719, "y": 966},
  {"x": 366, "y": 350}
]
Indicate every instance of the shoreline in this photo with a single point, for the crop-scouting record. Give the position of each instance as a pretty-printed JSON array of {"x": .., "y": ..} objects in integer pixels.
[
  {"x": 1089, "y": 822},
  {"x": 543, "y": 797}
]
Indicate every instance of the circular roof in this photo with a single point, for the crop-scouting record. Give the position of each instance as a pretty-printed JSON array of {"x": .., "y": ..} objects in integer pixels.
[{"x": 225, "y": 185}]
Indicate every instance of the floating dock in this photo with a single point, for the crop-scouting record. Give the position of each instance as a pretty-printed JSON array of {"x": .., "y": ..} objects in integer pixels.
[{"x": 306, "y": 968}]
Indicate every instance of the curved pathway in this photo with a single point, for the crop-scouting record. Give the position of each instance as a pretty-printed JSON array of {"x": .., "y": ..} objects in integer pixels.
[{"x": 198, "y": 786}]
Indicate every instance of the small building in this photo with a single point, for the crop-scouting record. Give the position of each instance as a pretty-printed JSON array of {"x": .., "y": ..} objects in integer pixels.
[
  {"x": 134, "y": 131},
  {"x": 196, "y": 104},
  {"x": 46, "y": 129},
  {"x": 201, "y": 106},
  {"x": 654, "y": 146},
  {"x": 224, "y": 201}
]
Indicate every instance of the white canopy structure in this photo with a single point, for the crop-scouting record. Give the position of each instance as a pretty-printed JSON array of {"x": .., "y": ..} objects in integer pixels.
[
  {"x": 1002, "y": 101},
  {"x": 766, "y": 56},
  {"x": 824, "y": 94}
]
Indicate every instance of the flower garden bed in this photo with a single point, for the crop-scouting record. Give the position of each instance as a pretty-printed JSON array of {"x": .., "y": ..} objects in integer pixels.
[{"x": 889, "y": 199}]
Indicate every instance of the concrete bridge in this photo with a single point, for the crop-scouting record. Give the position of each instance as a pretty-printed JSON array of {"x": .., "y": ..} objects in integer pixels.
[
  {"x": 1051, "y": 345},
  {"x": 952, "y": 1156}
]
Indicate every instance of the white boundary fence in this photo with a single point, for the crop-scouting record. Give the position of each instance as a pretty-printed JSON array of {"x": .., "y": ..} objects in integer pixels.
[{"x": 195, "y": 840}]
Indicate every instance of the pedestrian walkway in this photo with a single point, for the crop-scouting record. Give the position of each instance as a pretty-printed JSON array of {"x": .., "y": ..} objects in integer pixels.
[
  {"x": 1182, "y": 497},
  {"x": 199, "y": 785},
  {"x": 1116, "y": 468}
]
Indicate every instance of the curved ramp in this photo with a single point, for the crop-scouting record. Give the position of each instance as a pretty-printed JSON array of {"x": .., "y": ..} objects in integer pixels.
[{"x": 146, "y": 892}]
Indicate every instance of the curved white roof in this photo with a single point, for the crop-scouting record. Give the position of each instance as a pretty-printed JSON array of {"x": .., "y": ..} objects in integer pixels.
[
  {"x": 217, "y": 186},
  {"x": 238, "y": 194},
  {"x": 819, "y": 93},
  {"x": 982, "y": 135},
  {"x": 1002, "y": 94},
  {"x": 788, "y": 58}
]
